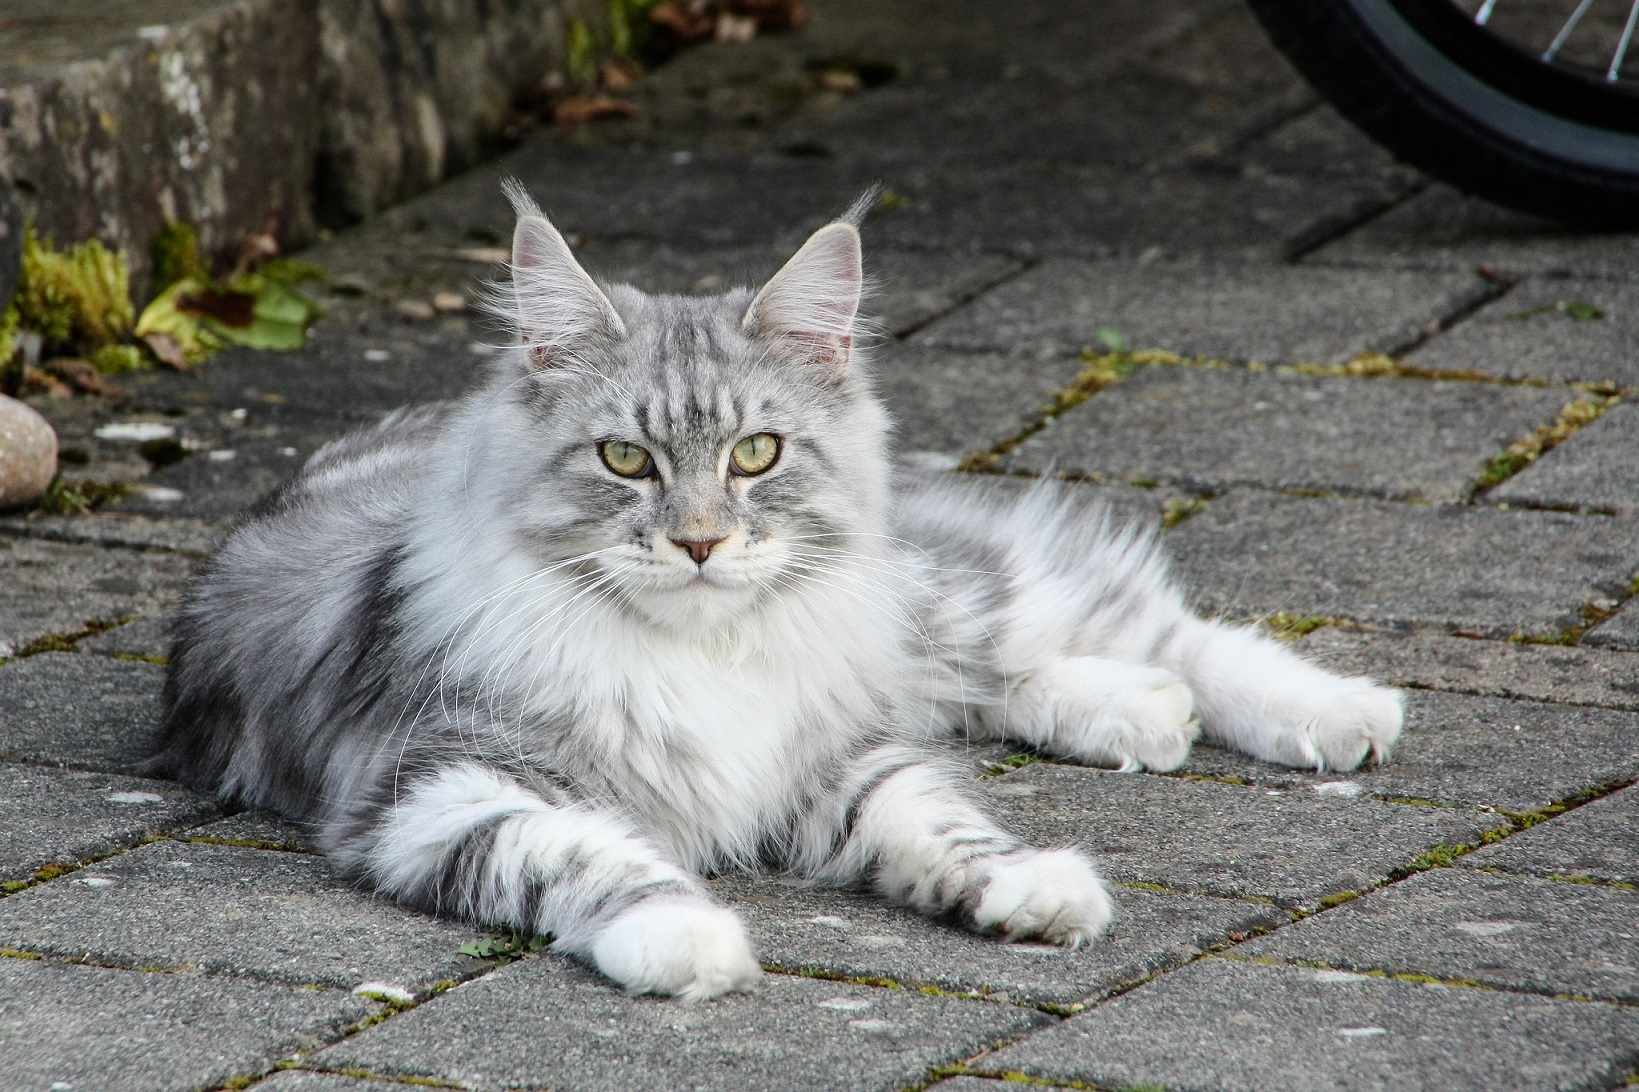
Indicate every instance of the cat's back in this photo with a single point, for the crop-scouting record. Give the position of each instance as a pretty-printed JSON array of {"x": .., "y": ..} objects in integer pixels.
[{"x": 305, "y": 573}]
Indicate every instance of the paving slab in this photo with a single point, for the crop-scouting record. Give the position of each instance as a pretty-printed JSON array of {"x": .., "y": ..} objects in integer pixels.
[
  {"x": 549, "y": 1022},
  {"x": 1292, "y": 847},
  {"x": 189, "y": 536},
  {"x": 1495, "y": 573},
  {"x": 1507, "y": 932},
  {"x": 1597, "y": 841},
  {"x": 226, "y": 910},
  {"x": 254, "y": 829},
  {"x": 1441, "y": 228},
  {"x": 220, "y": 483},
  {"x": 1596, "y": 468},
  {"x": 1468, "y": 751},
  {"x": 50, "y": 816},
  {"x": 90, "y": 712},
  {"x": 51, "y": 588},
  {"x": 306, "y": 1080},
  {"x": 1621, "y": 630},
  {"x": 797, "y": 928},
  {"x": 68, "y": 1027},
  {"x": 1533, "y": 333},
  {"x": 1269, "y": 313},
  {"x": 1215, "y": 428},
  {"x": 946, "y": 404},
  {"x": 1225, "y": 1025},
  {"x": 1567, "y": 674},
  {"x": 147, "y": 639},
  {"x": 1320, "y": 142}
]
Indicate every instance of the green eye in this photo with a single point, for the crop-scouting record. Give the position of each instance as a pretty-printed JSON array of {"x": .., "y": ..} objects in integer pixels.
[
  {"x": 627, "y": 460},
  {"x": 755, "y": 454}
]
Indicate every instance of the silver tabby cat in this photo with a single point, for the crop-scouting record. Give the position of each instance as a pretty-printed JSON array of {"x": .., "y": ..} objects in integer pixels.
[{"x": 649, "y": 604}]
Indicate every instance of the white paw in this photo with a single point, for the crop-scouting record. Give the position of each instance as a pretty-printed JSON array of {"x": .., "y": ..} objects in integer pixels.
[
  {"x": 1352, "y": 718},
  {"x": 1049, "y": 894},
  {"x": 1160, "y": 724},
  {"x": 683, "y": 948}
]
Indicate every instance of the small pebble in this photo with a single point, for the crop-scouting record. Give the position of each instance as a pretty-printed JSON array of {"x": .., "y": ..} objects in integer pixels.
[
  {"x": 416, "y": 309},
  {"x": 449, "y": 301},
  {"x": 28, "y": 453}
]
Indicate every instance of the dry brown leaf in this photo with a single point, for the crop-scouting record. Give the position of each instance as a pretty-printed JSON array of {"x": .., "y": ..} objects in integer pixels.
[
  {"x": 619, "y": 74},
  {"x": 83, "y": 376},
  {"x": 230, "y": 308},
  {"x": 168, "y": 352},
  {"x": 586, "y": 107}
]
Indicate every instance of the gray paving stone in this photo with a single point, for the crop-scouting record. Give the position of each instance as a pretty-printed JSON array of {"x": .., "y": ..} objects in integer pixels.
[
  {"x": 1212, "y": 428},
  {"x": 946, "y": 403},
  {"x": 860, "y": 936},
  {"x": 189, "y": 536},
  {"x": 255, "y": 829},
  {"x": 548, "y": 1022},
  {"x": 69, "y": 1027},
  {"x": 1553, "y": 673},
  {"x": 1501, "y": 931},
  {"x": 1497, "y": 573},
  {"x": 1294, "y": 848},
  {"x": 50, "y": 816},
  {"x": 64, "y": 709},
  {"x": 1225, "y": 1025},
  {"x": 309, "y": 1081},
  {"x": 57, "y": 588},
  {"x": 1273, "y": 313},
  {"x": 219, "y": 484},
  {"x": 1621, "y": 630},
  {"x": 1598, "y": 841},
  {"x": 1443, "y": 229},
  {"x": 1596, "y": 468},
  {"x": 278, "y": 917},
  {"x": 1472, "y": 752}
]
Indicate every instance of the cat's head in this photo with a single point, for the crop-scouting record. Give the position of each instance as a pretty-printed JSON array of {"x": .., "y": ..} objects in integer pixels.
[{"x": 699, "y": 453}]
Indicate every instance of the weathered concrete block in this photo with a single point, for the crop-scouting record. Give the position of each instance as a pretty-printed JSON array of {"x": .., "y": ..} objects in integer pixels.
[
  {"x": 799, "y": 928},
  {"x": 1222, "y": 1024},
  {"x": 1212, "y": 428},
  {"x": 1596, "y": 468},
  {"x": 55, "y": 588},
  {"x": 1506, "y": 932},
  {"x": 93, "y": 712},
  {"x": 547, "y": 1022},
  {"x": 119, "y": 118},
  {"x": 1225, "y": 839},
  {"x": 89, "y": 1027},
  {"x": 1598, "y": 841},
  {"x": 225, "y": 910}
]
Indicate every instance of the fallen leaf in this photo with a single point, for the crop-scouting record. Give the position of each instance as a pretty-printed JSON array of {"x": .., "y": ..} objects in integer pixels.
[
  {"x": 83, "y": 376},
  {"x": 228, "y": 308},
  {"x": 618, "y": 74},
  {"x": 167, "y": 351},
  {"x": 578, "y": 108}
]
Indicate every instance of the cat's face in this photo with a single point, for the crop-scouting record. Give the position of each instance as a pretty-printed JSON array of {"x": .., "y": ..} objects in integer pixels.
[{"x": 694, "y": 455}]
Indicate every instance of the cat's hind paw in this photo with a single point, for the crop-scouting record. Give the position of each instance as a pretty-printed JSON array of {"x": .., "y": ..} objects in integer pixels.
[
  {"x": 1048, "y": 894},
  {"x": 683, "y": 948},
  {"x": 1355, "y": 718}
]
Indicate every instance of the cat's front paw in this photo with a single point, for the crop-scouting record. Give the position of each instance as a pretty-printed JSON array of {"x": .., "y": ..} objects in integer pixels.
[
  {"x": 1354, "y": 717},
  {"x": 678, "y": 947},
  {"x": 1048, "y": 894}
]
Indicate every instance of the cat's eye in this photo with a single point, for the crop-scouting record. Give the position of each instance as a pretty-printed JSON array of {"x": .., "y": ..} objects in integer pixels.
[
  {"x": 626, "y": 459},
  {"x": 755, "y": 454}
]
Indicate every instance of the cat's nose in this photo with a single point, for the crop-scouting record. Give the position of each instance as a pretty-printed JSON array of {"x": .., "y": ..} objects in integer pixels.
[{"x": 698, "y": 548}]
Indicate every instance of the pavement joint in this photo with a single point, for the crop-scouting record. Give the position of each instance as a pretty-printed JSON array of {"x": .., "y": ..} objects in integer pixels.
[{"x": 56, "y": 869}]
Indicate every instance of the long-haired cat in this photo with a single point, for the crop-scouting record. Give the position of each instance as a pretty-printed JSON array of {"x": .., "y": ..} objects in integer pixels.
[{"x": 649, "y": 604}]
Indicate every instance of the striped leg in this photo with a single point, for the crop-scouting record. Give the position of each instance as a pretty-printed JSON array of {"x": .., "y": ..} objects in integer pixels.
[
  {"x": 903, "y": 824},
  {"x": 470, "y": 841}
]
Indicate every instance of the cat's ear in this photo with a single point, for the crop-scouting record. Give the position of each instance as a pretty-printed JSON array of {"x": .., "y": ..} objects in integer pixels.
[
  {"x": 809, "y": 307},
  {"x": 556, "y": 306}
]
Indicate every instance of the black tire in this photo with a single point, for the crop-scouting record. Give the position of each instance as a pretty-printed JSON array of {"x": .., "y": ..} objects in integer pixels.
[{"x": 1419, "y": 78}]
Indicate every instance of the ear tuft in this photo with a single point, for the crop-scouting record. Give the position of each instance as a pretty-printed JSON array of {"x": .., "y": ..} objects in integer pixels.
[
  {"x": 556, "y": 307},
  {"x": 808, "y": 308}
]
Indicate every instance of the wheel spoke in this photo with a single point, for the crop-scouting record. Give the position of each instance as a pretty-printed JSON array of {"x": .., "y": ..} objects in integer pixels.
[
  {"x": 1622, "y": 46},
  {"x": 1483, "y": 16},
  {"x": 1565, "y": 31}
]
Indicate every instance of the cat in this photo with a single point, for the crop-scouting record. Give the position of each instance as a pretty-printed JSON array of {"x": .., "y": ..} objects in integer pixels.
[{"x": 649, "y": 604}]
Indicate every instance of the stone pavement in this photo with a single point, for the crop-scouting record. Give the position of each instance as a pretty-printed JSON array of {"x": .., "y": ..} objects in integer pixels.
[{"x": 1465, "y": 916}]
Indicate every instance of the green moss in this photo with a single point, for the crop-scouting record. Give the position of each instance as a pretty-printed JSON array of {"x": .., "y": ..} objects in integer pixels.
[
  {"x": 175, "y": 255},
  {"x": 62, "y": 499},
  {"x": 14, "y": 953},
  {"x": 1520, "y": 454},
  {"x": 1177, "y": 509},
  {"x": 76, "y": 300},
  {"x": 1285, "y": 626},
  {"x": 1338, "y": 899},
  {"x": 580, "y": 52},
  {"x": 1011, "y": 763}
]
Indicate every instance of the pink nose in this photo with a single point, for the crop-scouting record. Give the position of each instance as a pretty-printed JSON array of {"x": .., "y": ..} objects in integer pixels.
[{"x": 699, "y": 549}]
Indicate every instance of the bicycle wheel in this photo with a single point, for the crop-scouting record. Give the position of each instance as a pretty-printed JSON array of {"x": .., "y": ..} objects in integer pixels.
[{"x": 1531, "y": 103}]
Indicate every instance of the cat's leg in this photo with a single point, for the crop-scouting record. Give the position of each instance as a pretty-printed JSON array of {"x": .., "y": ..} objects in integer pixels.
[
  {"x": 470, "y": 840},
  {"x": 1257, "y": 696},
  {"x": 903, "y": 824},
  {"x": 1102, "y": 712}
]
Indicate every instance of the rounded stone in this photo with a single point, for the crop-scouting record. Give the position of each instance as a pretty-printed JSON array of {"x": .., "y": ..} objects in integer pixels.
[{"x": 28, "y": 453}]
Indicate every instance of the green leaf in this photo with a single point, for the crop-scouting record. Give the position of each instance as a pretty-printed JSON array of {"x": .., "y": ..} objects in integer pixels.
[
  {"x": 163, "y": 317},
  {"x": 1581, "y": 312}
]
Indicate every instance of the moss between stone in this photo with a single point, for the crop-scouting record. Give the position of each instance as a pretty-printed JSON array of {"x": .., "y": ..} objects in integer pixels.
[{"x": 1573, "y": 416}]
